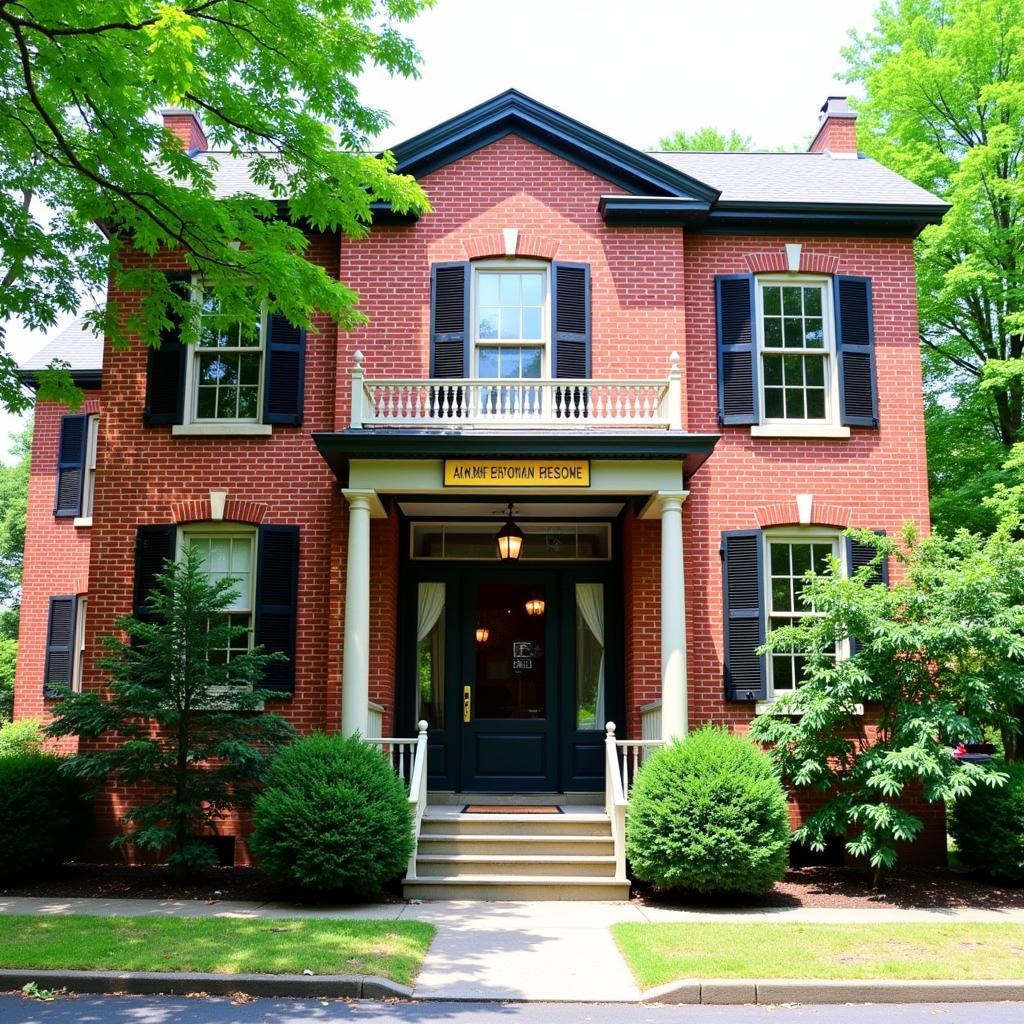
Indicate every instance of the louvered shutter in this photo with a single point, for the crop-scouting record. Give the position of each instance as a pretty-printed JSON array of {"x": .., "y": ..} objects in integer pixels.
[
  {"x": 71, "y": 453},
  {"x": 277, "y": 575},
  {"x": 165, "y": 367},
  {"x": 570, "y": 335},
  {"x": 284, "y": 372},
  {"x": 855, "y": 346},
  {"x": 154, "y": 546},
  {"x": 738, "y": 400},
  {"x": 746, "y": 673},
  {"x": 60, "y": 641},
  {"x": 859, "y": 555},
  {"x": 449, "y": 320}
]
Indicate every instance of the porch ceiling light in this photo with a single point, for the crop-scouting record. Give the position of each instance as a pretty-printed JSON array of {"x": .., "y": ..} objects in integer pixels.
[
  {"x": 510, "y": 540},
  {"x": 535, "y": 606},
  {"x": 483, "y": 634}
]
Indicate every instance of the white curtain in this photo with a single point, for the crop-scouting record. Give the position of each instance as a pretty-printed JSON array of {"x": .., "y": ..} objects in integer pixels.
[
  {"x": 590, "y": 602},
  {"x": 429, "y": 609}
]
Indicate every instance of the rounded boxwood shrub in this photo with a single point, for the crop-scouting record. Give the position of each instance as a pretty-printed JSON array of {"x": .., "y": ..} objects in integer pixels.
[
  {"x": 988, "y": 827},
  {"x": 333, "y": 817},
  {"x": 43, "y": 815},
  {"x": 708, "y": 814}
]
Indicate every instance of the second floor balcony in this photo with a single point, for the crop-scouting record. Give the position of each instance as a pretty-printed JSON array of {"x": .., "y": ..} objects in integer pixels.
[{"x": 522, "y": 403}]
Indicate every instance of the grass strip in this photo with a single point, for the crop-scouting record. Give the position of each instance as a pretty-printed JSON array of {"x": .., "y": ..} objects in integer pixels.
[
  {"x": 659, "y": 953},
  {"x": 386, "y": 949}
]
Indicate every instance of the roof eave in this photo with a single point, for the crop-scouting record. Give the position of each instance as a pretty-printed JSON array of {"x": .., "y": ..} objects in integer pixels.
[
  {"x": 87, "y": 380},
  {"x": 823, "y": 218},
  {"x": 651, "y": 211}
]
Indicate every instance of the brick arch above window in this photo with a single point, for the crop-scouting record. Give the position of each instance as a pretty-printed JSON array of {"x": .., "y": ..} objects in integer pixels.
[
  {"x": 235, "y": 511},
  {"x": 492, "y": 246},
  {"x": 787, "y": 513},
  {"x": 775, "y": 262}
]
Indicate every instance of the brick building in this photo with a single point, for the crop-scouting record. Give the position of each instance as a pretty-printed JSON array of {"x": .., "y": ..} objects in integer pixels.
[{"x": 740, "y": 334}]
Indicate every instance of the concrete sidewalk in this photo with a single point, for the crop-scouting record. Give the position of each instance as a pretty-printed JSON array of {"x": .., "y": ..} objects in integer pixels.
[{"x": 535, "y": 951}]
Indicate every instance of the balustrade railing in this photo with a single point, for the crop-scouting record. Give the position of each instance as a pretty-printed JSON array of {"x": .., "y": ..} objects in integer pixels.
[{"x": 500, "y": 402}]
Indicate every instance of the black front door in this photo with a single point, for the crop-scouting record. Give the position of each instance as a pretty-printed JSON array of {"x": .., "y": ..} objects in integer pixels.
[{"x": 508, "y": 699}]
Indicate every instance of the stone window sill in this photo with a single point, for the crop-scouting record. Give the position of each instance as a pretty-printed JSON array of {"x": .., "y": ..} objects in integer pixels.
[
  {"x": 767, "y": 707},
  {"x": 222, "y": 430},
  {"x": 82, "y": 521},
  {"x": 804, "y": 431}
]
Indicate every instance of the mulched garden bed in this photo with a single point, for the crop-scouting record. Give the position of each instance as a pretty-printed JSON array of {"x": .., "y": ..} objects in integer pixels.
[{"x": 848, "y": 888}]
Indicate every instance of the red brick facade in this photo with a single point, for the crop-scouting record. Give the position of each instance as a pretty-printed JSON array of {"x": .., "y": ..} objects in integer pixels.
[{"x": 652, "y": 295}]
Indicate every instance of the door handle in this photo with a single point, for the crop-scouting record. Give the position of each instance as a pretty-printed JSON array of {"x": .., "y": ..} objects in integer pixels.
[{"x": 466, "y": 703}]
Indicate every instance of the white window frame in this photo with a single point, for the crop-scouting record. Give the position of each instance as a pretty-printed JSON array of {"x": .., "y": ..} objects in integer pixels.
[
  {"x": 78, "y": 657},
  {"x": 192, "y": 417},
  {"x": 210, "y": 530},
  {"x": 795, "y": 535},
  {"x": 542, "y": 269},
  {"x": 827, "y": 352},
  {"x": 89, "y": 469}
]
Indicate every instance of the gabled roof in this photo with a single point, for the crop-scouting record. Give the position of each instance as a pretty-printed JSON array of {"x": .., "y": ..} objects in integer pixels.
[
  {"x": 513, "y": 112},
  {"x": 77, "y": 346}
]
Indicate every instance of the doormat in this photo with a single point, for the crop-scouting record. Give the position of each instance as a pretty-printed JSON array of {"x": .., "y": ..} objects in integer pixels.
[{"x": 511, "y": 809}]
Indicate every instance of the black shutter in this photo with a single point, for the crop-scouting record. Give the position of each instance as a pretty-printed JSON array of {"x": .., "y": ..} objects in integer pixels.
[
  {"x": 859, "y": 555},
  {"x": 277, "y": 576},
  {"x": 449, "y": 320},
  {"x": 60, "y": 646},
  {"x": 570, "y": 329},
  {"x": 74, "y": 438},
  {"x": 284, "y": 374},
  {"x": 154, "y": 546},
  {"x": 738, "y": 401},
  {"x": 746, "y": 673},
  {"x": 855, "y": 345},
  {"x": 165, "y": 367}
]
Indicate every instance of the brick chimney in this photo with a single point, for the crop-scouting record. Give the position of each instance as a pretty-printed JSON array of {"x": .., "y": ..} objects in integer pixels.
[
  {"x": 184, "y": 124},
  {"x": 837, "y": 129}
]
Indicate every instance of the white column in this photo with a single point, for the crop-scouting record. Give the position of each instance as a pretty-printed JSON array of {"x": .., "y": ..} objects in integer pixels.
[
  {"x": 355, "y": 672},
  {"x": 674, "y": 717}
]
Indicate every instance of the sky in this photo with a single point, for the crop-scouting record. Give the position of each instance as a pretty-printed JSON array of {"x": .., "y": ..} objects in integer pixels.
[{"x": 633, "y": 69}]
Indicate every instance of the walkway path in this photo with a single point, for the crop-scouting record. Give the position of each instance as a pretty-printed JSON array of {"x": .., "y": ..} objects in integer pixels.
[{"x": 537, "y": 951}]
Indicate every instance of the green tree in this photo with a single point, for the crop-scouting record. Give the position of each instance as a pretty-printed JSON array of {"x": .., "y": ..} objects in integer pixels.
[
  {"x": 187, "y": 722},
  {"x": 939, "y": 658},
  {"x": 13, "y": 507},
  {"x": 79, "y": 81},
  {"x": 708, "y": 140},
  {"x": 944, "y": 106}
]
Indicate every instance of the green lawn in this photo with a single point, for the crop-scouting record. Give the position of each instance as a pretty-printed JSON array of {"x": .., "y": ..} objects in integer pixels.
[
  {"x": 387, "y": 949},
  {"x": 659, "y": 953}
]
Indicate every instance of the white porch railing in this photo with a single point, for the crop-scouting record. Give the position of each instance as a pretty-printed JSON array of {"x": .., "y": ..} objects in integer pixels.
[
  {"x": 409, "y": 759},
  {"x": 374, "y": 720},
  {"x": 650, "y": 721},
  {"x": 623, "y": 759},
  {"x": 497, "y": 403}
]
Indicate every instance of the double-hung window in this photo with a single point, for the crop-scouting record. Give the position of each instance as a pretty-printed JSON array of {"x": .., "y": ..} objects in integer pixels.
[
  {"x": 796, "y": 349},
  {"x": 225, "y": 367},
  {"x": 788, "y": 557},
  {"x": 229, "y": 552},
  {"x": 510, "y": 332}
]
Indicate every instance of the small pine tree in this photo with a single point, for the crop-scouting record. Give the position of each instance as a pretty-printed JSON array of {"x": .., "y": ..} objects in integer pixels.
[{"x": 192, "y": 742}]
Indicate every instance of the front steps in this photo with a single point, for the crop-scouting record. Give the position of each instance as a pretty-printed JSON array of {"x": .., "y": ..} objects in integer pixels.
[{"x": 567, "y": 856}]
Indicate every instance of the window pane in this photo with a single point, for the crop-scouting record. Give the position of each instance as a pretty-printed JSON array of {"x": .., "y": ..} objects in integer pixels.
[
  {"x": 590, "y": 710},
  {"x": 773, "y": 371},
  {"x": 249, "y": 335},
  {"x": 227, "y": 404},
  {"x": 206, "y": 405},
  {"x": 430, "y": 651},
  {"x": 773, "y": 332},
  {"x": 249, "y": 369},
  {"x": 510, "y": 327},
  {"x": 488, "y": 361},
  {"x": 801, "y": 558},
  {"x": 247, "y": 403},
  {"x": 814, "y": 367},
  {"x": 814, "y": 333},
  {"x": 774, "y": 407},
  {"x": 812, "y": 302},
  {"x": 820, "y": 555},
  {"x": 489, "y": 290},
  {"x": 510, "y": 290},
  {"x": 781, "y": 596},
  {"x": 533, "y": 289},
  {"x": 815, "y": 404},
  {"x": 531, "y": 323},
  {"x": 509, "y": 362},
  {"x": 794, "y": 332},
  {"x": 782, "y": 672},
  {"x": 791, "y": 302},
  {"x": 487, "y": 325},
  {"x": 779, "y": 559},
  {"x": 531, "y": 362},
  {"x": 773, "y": 301}
]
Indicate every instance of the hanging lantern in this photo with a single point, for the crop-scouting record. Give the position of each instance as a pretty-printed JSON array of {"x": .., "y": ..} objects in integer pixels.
[
  {"x": 535, "y": 606},
  {"x": 510, "y": 540},
  {"x": 483, "y": 634}
]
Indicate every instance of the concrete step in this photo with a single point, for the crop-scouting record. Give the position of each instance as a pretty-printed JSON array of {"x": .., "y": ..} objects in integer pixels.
[
  {"x": 516, "y": 824},
  {"x": 505, "y": 845},
  {"x": 474, "y": 866},
  {"x": 515, "y": 887}
]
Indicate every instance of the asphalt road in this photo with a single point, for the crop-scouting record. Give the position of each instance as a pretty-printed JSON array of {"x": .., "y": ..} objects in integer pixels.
[{"x": 176, "y": 1010}]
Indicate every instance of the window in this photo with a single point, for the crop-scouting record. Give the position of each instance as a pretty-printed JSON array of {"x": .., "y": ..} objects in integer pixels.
[
  {"x": 225, "y": 367},
  {"x": 79, "y": 653},
  {"x": 89, "y": 483},
  {"x": 552, "y": 542},
  {"x": 229, "y": 552},
  {"x": 788, "y": 557},
  {"x": 510, "y": 330},
  {"x": 795, "y": 341}
]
